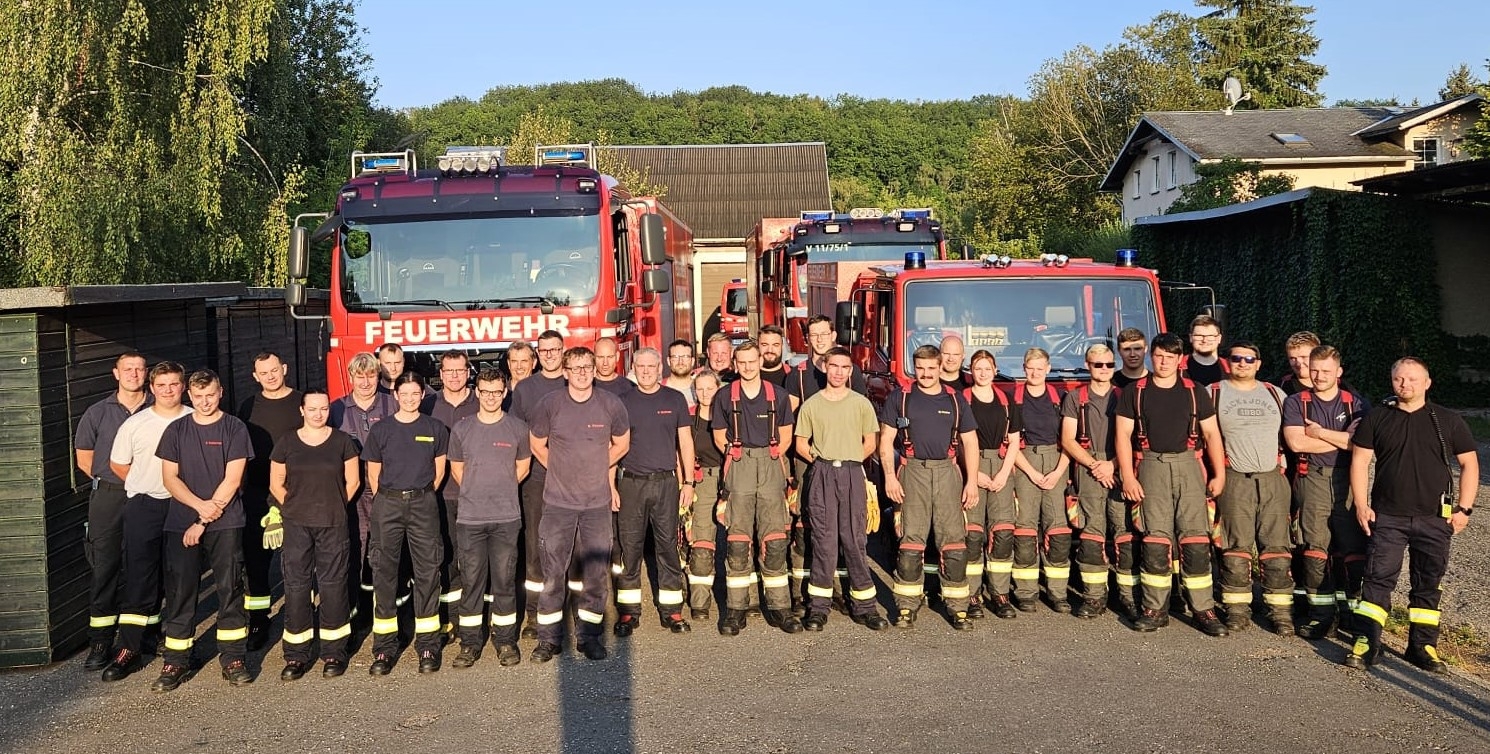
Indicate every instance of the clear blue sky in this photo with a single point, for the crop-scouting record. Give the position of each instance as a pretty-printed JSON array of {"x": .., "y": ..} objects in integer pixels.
[{"x": 430, "y": 51}]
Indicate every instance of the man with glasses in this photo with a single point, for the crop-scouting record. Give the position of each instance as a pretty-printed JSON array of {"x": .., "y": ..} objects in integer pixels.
[
  {"x": 455, "y": 401},
  {"x": 525, "y": 396},
  {"x": 1254, "y": 505},
  {"x": 1204, "y": 365},
  {"x": 607, "y": 368},
  {"x": 1133, "y": 347},
  {"x": 680, "y": 365},
  {"x": 1102, "y": 516},
  {"x": 591, "y": 431}
]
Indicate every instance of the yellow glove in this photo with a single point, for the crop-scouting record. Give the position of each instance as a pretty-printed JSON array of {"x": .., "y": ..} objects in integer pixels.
[
  {"x": 793, "y": 497},
  {"x": 274, "y": 529},
  {"x": 872, "y": 508}
]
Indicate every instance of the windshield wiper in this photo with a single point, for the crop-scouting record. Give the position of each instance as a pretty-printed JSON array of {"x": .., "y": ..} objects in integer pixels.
[
  {"x": 1070, "y": 370},
  {"x": 416, "y": 302},
  {"x": 545, "y": 304}
]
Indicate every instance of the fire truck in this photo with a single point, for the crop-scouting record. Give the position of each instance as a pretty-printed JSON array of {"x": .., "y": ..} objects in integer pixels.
[
  {"x": 476, "y": 254},
  {"x": 734, "y": 304},
  {"x": 779, "y": 250},
  {"x": 998, "y": 304}
]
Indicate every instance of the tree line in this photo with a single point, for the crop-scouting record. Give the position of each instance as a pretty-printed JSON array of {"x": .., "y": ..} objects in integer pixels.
[{"x": 153, "y": 141}]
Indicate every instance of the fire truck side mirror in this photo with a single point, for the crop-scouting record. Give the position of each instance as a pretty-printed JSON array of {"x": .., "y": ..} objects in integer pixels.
[
  {"x": 653, "y": 240},
  {"x": 848, "y": 321},
  {"x": 617, "y": 316},
  {"x": 768, "y": 264},
  {"x": 768, "y": 285},
  {"x": 298, "y": 263},
  {"x": 295, "y": 293},
  {"x": 656, "y": 281}
]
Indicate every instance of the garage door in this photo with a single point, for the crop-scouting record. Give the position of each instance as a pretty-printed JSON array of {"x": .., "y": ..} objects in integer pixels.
[{"x": 713, "y": 276}]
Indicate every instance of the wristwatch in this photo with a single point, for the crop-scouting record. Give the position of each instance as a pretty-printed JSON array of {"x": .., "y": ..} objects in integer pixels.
[{"x": 1466, "y": 511}]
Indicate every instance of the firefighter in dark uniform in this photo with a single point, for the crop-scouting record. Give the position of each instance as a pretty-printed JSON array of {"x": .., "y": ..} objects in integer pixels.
[
  {"x": 313, "y": 473},
  {"x": 652, "y": 493},
  {"x": 752, "y": 423},
  {"x": 1162, "y": 420},
  {"x": 405, "y": 457},
  {"x": 104, "y": 541},
  {"x": 455, "y": 401},
  {"x": 269, "y": 413},
  {"x": 1411, "y": 505},
  {"x": 1101, "y": 515},
  {"x": 525, "y": 395},
  {"x": 701, "y": 529},
  {"x": 928, "y": 425},
  {"x": 990, "y": 523},
  {"x": 1041, "y": 532},
  {"x": 356, "y": 414},
  {"x": 1317, "y": 425}
]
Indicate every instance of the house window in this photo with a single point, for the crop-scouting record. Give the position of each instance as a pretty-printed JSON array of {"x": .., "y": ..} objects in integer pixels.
[
  {"x": 1155, "y": 189},
  {"x": 1174, "y": 173},
  {"x": 1427, "y": 152},
  {"x": 1137, "y": 183}
]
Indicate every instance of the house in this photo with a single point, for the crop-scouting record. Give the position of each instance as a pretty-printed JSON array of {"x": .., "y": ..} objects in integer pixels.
[{"x": 1319, "y": 147}]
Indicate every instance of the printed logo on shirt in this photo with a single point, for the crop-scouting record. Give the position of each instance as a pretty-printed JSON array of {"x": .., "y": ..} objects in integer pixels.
[
  {"x": 424, "y": 438},
  {"x": 665, "y": 412},
  {"x": 500, "y": 444},
  {"x": 763, "y": 416},
  {"x": 944, "y": 412},
  {"x": 213, "y": 443},
  {"x": 594, "y": 426}
]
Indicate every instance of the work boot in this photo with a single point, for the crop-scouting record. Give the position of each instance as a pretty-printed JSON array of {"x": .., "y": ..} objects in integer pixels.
[
  {"x": 674, "y": 622},
  {"x": 294, "y": 671},
  {"x": 381, "y": 665},
  {"x": 783, "y": 620},
  {"x": 1059, "y": 604},
  {"x": 698, "y": 614},
  {"x": 1363, "y": 654},
  {"x": 1426, "y": 657},
  {"x": 733, "y": 623},
  {"x": 170, "y": 677},
  {"x": 1283, "y": 622},
  {"x": 961, "y": 621},
  {"x": 1345, "y": 628},
  {"x": 237, "y": 674},
  {"x": 508, "y": 655},
  {"x": 625, "y": 624},
  {"x": 905, "y": 619},
  {"x": 1238, "y": 618},
  {"x": 815, "y": 621},
  {"x": 975, "y": 609},
  {"x": 1003, "y": 608},
  {"x": 1026, "y": 606},
  {"x": 530, "y": 626},
  {"x": 429, "y": 662},
  {"x": 1129, "y": 610},
  {"x": 125, "y": 662},
  {"x": 98, "y": 655},
  {"x": 1150, "y": 621},
  {"x": 333, "y": 668},
  {"x": 467, "y": 657},
  {"x": 1316, "y": 628},
  {"x": 1207, "y": 622},
  {"x": 872, "y": 621},
  {"x": 1088, "y": 609},
  {"x": 592, "y": 649},
  {"x": 544, "y": 652}
]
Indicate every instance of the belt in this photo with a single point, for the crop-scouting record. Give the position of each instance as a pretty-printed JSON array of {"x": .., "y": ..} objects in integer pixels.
[
  {"x": 1255, "y": 474},
  {"x": 710, "y": 470},
  {"x": 647, "y": 475},
  {"x": 105, "y": 484},
  {"x": 407, "y": 494},
  {"x": 928, "y": 462},
  {"x": 838, "y": 464}
]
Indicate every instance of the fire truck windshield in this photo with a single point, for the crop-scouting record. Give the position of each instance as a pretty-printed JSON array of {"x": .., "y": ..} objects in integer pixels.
[
  {"x": 434, "y": 263},
  {"x": 1007, "y": 316},
  {"x": 866, "y": 252}
]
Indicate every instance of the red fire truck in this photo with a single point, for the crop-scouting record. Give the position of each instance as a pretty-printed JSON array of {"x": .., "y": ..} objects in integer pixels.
[
  {"x": 999, "y": 304},
  {"x": 734, "y": 319},
  {"x": 778, "y": 252},
  {"x": 477, "y": 254}
]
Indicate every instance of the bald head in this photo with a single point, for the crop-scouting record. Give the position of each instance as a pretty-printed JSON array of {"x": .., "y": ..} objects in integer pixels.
[{"x": 952, "y": 352}]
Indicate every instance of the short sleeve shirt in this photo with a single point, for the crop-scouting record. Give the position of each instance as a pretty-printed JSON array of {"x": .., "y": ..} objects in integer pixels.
[
  {"x": 490, "y": 453},
  {"x": 995, "y": 420},
  {"x": 1332, "y": 414},
  {"x": 1167, "y": 414},
  {"x": 754, "y": 415},
  {"x": 655, "y": 418},
  {"x": 579, "y": 432},
  {"x": 135, "y": 446},
  {"x": 619, "y": 387},
  {"x": 930, "y": 420},
  {"x": 807, "y": 379},
  {"x": 315, "y": 480},
  {"x": 1204, "y": 374},
  {"x": 357, "y": 422},
  {"x": 837, "y": 428},
  {"x": 1411, "y": 472},
  {"x": 1039, "y": 417},
  {"x": 407, "y": 451},
  {"x": 267, "y": 419},
  {"x": 451, "y": 414},
  {"x": 1251, "y": 422},
  {"x": 202, "y": 453},
  {"x": 705, "y": 452},
  {"x": 97, "y": 429},
  {"x": 1097, "y": 420}
]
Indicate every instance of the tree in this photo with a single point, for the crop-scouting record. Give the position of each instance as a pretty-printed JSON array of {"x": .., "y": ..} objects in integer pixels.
[
  {"x": 1369, "y": 102},
  {"x": 1265, "y": 44},
  {"x": 1461, "y": 81},
  {"x": 1228, "y": 182},
  {"x": 540, "y": 127}
]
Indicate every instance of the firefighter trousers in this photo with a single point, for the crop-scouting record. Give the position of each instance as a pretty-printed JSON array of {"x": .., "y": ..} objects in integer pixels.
[
  {"x": 222, "y": 551},
  {"x": 839, "y": 520},
  {"x": 104, "y": 550},
  {"x": 1253, "y": 509},
  {"x": 933, "y": 506},
  {"x": 758, "y": 524},
  {"x": 649, "y": 503},
  {"x": 406, "y": 517},
  {"x": 315, "y": 561},
  {"x": 703, "y": 537},
  {"x": 1041, "y": 532},
  {"x": 256, "y": 559},
  {"x": 1106, "y": 536},
  {"x": 450, "y": 570},
  {"x": 1334, "y": 547},
  {"x": 488, "y": 560},
  {"x": 1174, "y": 508},
  {"x": 531, "y": 492},
  {"x": 990, "y": 532},
  {"x": 1426, "y": 540},
  {"x": 570, "y": 534},
  {"x": 144, "y": 547},
  {"x": 799, "y": 547}
]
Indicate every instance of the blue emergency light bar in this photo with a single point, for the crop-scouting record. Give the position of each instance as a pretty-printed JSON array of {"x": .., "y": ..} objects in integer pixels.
[
  {"x": 915, "y": 260},
  {"x": 557, "y": 156},
  {"x": 914, "y": 214},
  {"x": 817, "y": 215},
  {"x": 383, "y": 163},
  {"x": 1127, "y": 257}
]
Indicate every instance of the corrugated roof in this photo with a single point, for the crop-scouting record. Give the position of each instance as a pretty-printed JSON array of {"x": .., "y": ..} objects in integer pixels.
[
  {"x": 1248, "y": 134},
  {"x": 1412, "y": 118},
  {"x": 721, "y": 191}
]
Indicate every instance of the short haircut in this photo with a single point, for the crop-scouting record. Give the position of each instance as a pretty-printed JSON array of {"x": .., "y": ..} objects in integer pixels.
[
  {"x": 1245, "y": 344},
  {"x": 454, "y": 354},
  {"x": 1036, "y": 354},
  {"x": 980, "y": 355},
  {"x": 1167, "y": 342},
  {"x": 839, "y": 351},
  {"x": 1204, "y": 320},
  {"x": 491, "y": 374},
  {"x": 773, "y": 330},
  {"x": 521, "y": 346},
  {"x": 606, "y": 339},
  {"x": 747, "y": 344},
  {"x": 681, "y": 343},
  {"x": 706, "y": 373},
  {"x": 716, "y": 337},
  {"x": 363, "y": 363},
  {"x": 816, "y": 318},
  {"x": 648, "y": 351},
  {"x": 1098, "y": 350},
  {"x": 1302, "y": 338},
  {"x": 304, "y": 394},
  {"x": 129, "y": 355},
  {"x": 927, "y": 351},
  {"x": 407, "y": 377},
  {"x": 267, "y": 355},
  {"x": 1320, "y": 353},
  {"x": 166, "y": 367},
  {"x": 1409, "y": 361},
  {"x": 1130, "y": 335},
  {"x": 390, "y": 348},
  {"x": 553, "y": 335},
  {"x": 202, "y": 378},
  {"x": 575, "y": 353}
]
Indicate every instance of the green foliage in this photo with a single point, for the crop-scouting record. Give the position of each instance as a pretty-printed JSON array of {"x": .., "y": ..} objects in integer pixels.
[
  {"x": 1267, "y": 45},
  {"x": 1369, "y": 102},
  {"x": 1227, "y": 182},
  {"x": 1332, "y": 263},
  {"x": 1477, "y": 139},
  {"x": 1461, "y": 81},
  {"x": 1100, "y": 243}
]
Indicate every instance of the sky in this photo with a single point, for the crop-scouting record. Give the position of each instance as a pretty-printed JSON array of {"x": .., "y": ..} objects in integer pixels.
[{"x": 427, "y": 52}]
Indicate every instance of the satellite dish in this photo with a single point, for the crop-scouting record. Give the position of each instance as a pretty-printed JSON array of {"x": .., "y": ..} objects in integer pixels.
[{"x": 1232, "y": 88}]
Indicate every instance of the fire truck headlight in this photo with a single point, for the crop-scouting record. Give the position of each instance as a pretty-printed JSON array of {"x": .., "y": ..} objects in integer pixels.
[
  {"x": 832, "y": 228},
  {"x": 905, "y": 227},
  {"x": 444, "y": 163}
]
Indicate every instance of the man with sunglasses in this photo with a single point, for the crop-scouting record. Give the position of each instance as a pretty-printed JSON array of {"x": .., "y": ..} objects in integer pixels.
[
  {"x": 1086, "y": 436},
  {"x": 1254, "y": 506}
]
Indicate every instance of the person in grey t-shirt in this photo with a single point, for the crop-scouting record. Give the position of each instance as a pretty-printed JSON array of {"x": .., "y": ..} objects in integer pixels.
[{"x": 1253, "y": 507}]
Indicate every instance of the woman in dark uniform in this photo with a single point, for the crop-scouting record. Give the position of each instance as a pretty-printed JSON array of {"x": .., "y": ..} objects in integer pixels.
[
  {"x": 314, "y": 472},
  {"x": 702, "y": 530},
  {"x": 405, "y": 463}
]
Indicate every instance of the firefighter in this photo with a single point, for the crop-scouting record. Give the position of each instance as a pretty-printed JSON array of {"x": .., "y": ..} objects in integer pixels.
[
  {"x": 489, "y": 456},
  {"x": 525, "y": 395},
  {"x": 520, "y": 361},
  {"x": 269, "y": 413},
  {"x": 1042, "y": 535},
  {"x": 405, "y": 458},
  {"x": 680, "y": 366},
  {"x": 1133, "y": 347},
  {"x": 1411, "y": 504},
  {"x": 752, "y": 423},
  {"x": 774, "y": 369},
  {"x": 203, "y": 457},
  {"x": 313, "y": 473},
  {"x": 718, "y": 354},
  {"x": 1162, "y": 421},
  {"x": 929, "y": 425},
  {"x": 356, "y": 414},
  {"x": 701, "y": 530},
  {"x": 951, "y": 367},
  {"x": 104, "y": 542},
  {"x": 455, "y": 401},
  {"x": 1253, "y": 508},
  {"x": 1205, "y": 365},
  {"x": 990, "y": 522},
  {"x": 590, "y": 430},
  {"x": 132, "y": 458},
  {"x": 1100, "y": 513},
  {"x": 1317, "y": 425},
  {"x": 836, "y": 430},
  {"x": 653, "y": 488},
  {"x": 391, "y": 362},
  {"x": 607, "y": 363}
]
